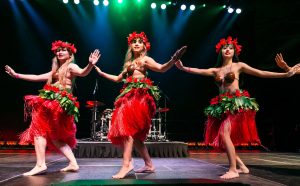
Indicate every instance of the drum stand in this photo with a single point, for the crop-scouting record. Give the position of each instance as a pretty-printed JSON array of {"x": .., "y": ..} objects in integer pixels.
[
  {"x": 94, "y": 123},
  {"x": 101, "y": 133}
]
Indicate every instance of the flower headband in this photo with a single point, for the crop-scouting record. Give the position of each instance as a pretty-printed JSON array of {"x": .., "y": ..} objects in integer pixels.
[
  {"x": 61, "y": 44},
  {"x": 141, "y": 35},
  {"x": 229, "y": 41}
]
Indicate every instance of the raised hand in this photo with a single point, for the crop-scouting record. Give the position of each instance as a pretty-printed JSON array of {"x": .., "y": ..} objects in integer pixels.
[
  {"x": 293, "y": 70},
  {"x": 10, "y": 71},
  {"x": 179, "y": 53},
  {"x": 179, "y": 65},
  {"x": 94, "y": 57},
  {"x": 281, "y": 63}
]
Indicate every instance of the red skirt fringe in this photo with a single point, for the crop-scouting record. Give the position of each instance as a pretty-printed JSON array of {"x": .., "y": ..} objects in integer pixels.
[
  {"x": 50, "y": 121},
  {"x": 132, "y": 116},
  {"x": 241, "y": 126}
]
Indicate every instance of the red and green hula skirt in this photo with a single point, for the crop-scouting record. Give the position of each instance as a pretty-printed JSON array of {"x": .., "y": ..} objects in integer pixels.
[
  {"x": 234, "y": 112},
  {"x": 53, "y": 113},
  {"x": 134, "y": 108}
]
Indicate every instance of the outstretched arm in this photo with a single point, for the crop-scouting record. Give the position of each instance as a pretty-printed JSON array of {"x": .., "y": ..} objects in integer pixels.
[
  {"x": 153, "y": 65},
  {"x": 27, "y": 77},
  {"x": 266, "y": 74},
  {"x": 282, "y": 64},
  {"x": 204, "y": 72},
  {"x": 93, "y": 59},
  {"x": 110, "y": 77}
]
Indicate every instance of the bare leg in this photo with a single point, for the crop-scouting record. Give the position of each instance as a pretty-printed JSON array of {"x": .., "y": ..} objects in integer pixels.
[
  {"x": 40, "y": 149},
  {"x": 142, "y": 150},
  {"x": 67, "y": 151},
  {"x": 230, "y": 150},
  {"x": 242, "y": 167},
  {"x": 127, "y": 165}
]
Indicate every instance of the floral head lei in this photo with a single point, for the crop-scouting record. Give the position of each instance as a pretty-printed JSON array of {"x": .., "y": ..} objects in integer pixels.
[
  {"x": 229, "y": 41},
  {"x": 60, "y": 44},
  {"x": 141, "y": 35}
]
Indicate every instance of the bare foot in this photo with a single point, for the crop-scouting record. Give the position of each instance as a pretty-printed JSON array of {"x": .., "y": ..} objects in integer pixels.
[
  {"x": 146, "y": 169},
  {"x": 229, "y": 175},
  {"x": 70, "y": 168},
  {"x": 123, "y": 172},
  {"x": 36, "y": 170},
  {"x": 243, "y": 170}
]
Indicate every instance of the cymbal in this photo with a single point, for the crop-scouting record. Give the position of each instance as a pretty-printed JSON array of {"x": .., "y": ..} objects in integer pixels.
[
  {"x": 162, "y": 110},
  {"x": 91, "y": 104}
]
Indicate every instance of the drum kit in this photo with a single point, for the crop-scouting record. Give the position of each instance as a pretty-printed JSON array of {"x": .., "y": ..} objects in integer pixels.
[
  {"x": 100, "y": 124},
  {"x": 99, "y": 128}
]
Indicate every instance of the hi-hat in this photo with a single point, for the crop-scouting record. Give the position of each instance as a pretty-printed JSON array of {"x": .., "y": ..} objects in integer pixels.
[
  {"x": 162, "y": 110},
  {"x": 91, "y": 104}
]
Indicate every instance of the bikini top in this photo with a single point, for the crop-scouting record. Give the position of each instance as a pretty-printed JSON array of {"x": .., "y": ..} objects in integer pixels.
[
  {"x": 132, "y": 67},
  {"x": 227, "y": 80}
]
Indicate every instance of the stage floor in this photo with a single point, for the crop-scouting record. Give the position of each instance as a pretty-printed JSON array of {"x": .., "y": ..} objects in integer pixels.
[{"x": 199, "y": 168}]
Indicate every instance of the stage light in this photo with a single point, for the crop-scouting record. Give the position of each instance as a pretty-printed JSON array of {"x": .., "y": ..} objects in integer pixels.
[
  {"x": 120, "y": 1},
  {"x": 163, "y": 6},
  {"x": 65, "y": 1},
  {"x": 105, "y": 2},
  {"x": 204, "y": 5},
  {"x": 192, "y": 7},
  {"x": 182, "y": 7},
  {"x": 139, "y": 0},
  {"x": 230, "y": 10},
  {"x": 224, "y": 6},
  {"x": 96, "y": 2},
  {"x": 169, "y": 3},
  {"x": 76, "y": 2},
  {"x": 238, "y": 11},
  {"x": 153, "y": 5}
]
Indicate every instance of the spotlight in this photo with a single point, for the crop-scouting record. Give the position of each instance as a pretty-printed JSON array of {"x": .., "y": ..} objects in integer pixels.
[
  {"x": 139, "y": 0},
  {"x": 192, "y": 7},
  {"x": 76, "y": 1},
  {"x": 153, "y": 5},
  {"x": 224, "y": 6},
  {"x": 96, "y": 2},
  {"x": 204, "y": 5},
  {"x": 182, "y": 7},
  {"x": 65, "y": 1},
  {"x": 120, "y": 1},
  {"x": 230, "y": 10},
  {"x": 105, "y": 2},
  {"x": 238, "y": 11},
  {"x": 163, "y": 6}
]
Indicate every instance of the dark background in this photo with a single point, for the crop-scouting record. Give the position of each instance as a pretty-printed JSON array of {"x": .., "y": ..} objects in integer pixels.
[{"x": 264, "y": 28}]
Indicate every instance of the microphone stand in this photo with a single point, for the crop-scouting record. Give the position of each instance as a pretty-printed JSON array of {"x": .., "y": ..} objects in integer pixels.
[
  {"x": 94, "y": 117},
  {"x": 164, "y": 137}
]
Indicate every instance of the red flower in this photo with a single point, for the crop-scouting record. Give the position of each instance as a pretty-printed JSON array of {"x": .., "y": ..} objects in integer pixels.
[
  {"x": 214, "y": 100},
  {"x": 47, "y": 87},
  {"x": 54, "y": 89},
  {"x": 61, "y": 44},
  {"x": 64, "y": 93},
  {"x": 141, "y": 35},
  {"x": 129, "y": 79},
  {"x": 246, "y": 94},
  {"x": 69, "y": 96},
  {"x": 77, "y": 104},
  {"x": 149, "y": 82},
  {"x": 238, "y": 93},
  {"x": 229, "y": 41},
  {"x": 135, "y": 80}
]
